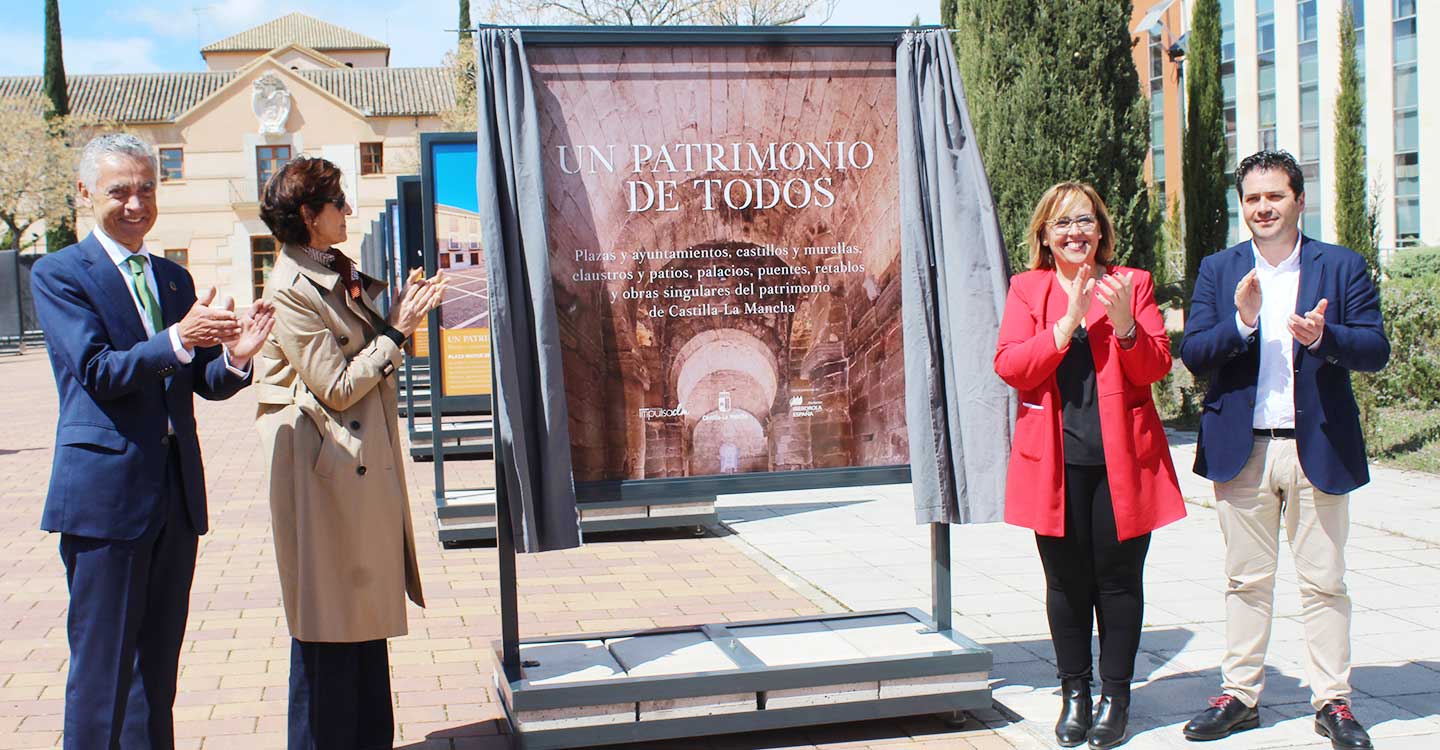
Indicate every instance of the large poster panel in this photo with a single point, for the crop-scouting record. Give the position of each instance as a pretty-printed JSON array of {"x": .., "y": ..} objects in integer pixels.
[
  {"x": 465, "y": 313},
  {"x": 725, "y": 252}
]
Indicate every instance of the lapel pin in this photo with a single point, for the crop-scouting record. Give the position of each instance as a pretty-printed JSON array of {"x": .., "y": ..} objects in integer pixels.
[{"x": 172, "y": 287}]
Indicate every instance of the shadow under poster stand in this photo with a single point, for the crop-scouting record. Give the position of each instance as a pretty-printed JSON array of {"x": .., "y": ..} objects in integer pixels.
[{"x": 632, "y": 686}]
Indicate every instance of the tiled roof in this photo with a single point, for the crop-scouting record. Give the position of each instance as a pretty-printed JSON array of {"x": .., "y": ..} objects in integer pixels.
[
  {"x": 161, "y": 97},
  {"x": 305, "y": 30},
  {"x": 388, "y": 92},
  {"x": 127, "y": 97}
]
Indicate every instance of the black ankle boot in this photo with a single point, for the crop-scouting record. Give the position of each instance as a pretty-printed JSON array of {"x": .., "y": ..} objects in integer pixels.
[
  {"x": 1112, "y": 715},
  {"x": 1074, "y": 724}
]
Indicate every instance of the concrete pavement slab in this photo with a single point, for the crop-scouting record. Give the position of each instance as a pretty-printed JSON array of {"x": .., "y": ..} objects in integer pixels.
[{"x": 1394, "y": 575}]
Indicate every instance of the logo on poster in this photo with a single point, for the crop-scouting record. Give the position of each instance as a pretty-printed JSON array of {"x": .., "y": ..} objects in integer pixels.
[
  {"x": 802, "y": 407},
  {"x": 654, "y": 412}
]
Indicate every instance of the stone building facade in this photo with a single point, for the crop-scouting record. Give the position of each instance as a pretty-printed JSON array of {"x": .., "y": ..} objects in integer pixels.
[{"x": 293, "y": 86}]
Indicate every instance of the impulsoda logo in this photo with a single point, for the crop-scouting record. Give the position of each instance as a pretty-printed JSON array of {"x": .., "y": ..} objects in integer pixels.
[{"x": 655, "y": 412}]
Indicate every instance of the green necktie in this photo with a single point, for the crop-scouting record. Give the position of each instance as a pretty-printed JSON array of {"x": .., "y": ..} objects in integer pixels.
[{"x": 142, "y": 289}]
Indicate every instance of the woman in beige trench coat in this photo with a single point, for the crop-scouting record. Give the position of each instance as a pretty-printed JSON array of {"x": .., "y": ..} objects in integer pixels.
[{"x": 344, "y": 541}]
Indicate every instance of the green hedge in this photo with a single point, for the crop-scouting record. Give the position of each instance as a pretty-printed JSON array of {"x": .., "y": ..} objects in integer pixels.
[
  {"x": 1411, "y": 306},
  {"x": 1178, "y": 395},
  {"x": 1414, "y": 264}
]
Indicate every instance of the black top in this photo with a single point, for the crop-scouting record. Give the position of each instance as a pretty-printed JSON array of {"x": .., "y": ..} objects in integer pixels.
[{"x": 1079, "y": 409}]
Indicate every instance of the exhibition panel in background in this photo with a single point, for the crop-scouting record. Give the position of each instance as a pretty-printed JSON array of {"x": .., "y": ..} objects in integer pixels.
[
  {"x": 723, "y": 217},
  {"x": 452, "y": 243},
  {"x": 18, "y": 323},
  {"x": 408, "y": 255},
  {"x": 466, "y": 431}
]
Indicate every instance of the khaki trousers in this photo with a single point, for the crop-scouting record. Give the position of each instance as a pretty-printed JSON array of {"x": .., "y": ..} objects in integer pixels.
[{"x": 1272, "y": 486}]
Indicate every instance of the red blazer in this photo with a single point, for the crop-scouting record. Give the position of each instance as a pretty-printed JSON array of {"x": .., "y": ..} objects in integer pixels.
[{"x": 1143, "y": 486}]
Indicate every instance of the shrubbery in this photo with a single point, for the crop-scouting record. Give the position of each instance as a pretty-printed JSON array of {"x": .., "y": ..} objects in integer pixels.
[
  {"x": 1414, "y": 264},
  {"x": 1410, "y": 302},
  {"x": 1178, "y": 395}
]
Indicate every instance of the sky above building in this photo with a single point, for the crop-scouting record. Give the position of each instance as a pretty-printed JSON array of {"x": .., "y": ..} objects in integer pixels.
[{"x": 103, "y": 36}]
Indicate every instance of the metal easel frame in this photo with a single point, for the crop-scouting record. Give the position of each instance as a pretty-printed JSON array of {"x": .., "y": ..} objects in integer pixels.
[{"x": 969, "y": 654}]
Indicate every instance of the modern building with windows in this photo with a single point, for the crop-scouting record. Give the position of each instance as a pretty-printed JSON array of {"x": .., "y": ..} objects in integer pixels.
[
  {"x": 293, "y": 86},
  {"x": 1280, "y": 69}
]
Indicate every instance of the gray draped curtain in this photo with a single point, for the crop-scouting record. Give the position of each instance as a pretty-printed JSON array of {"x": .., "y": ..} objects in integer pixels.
[
  {"x": 531, "y": 421},
  {"x": 959, "y": 413}
]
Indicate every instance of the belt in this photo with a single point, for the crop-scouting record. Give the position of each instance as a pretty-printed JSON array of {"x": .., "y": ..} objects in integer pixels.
[{"x": 1275, "y": 433}]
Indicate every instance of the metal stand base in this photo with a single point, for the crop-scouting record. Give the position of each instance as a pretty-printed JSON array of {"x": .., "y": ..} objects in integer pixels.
[
  {"x": 620, "y": 688},
  {"x": 469, "y": 515},
  {"x": 955, "y": 719}
]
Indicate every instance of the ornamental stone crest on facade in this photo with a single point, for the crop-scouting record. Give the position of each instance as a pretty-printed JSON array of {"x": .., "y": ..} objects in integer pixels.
[{"x": 271, "y": 102}]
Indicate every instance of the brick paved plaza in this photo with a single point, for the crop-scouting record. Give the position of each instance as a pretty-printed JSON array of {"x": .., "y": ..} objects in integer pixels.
[{"x": 234, "y": 668}]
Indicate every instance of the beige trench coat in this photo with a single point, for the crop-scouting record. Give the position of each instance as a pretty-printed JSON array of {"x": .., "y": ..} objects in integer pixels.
[{"x": 327, "y": 416}]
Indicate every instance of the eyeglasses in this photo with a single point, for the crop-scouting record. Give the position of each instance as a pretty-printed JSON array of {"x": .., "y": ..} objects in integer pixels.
[
  {"x": 1083, "y": 222},
  {"x": 338, "y": 201}
]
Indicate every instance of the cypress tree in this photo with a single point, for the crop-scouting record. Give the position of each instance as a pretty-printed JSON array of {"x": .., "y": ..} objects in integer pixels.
[
  {"x": 57, "y": 94},
  {"x": 57, "y": 106},
  {"x": 1055, "y": 96},
  {"x": 1206, "y": 168},
  {"x": 1353, "y": 221},
  {"x": 464, "y": 20}
]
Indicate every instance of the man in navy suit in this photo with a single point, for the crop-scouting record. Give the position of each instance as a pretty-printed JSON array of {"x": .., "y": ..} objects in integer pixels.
[
  {"x": 1277, "y": 324},
  {"x": 130, "y": 345}
]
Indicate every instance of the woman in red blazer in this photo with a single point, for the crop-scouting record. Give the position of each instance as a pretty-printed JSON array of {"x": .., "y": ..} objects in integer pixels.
[{"x": 1090, "y": 470}]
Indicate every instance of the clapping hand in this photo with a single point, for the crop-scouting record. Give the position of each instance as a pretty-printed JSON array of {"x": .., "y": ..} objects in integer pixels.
[
  {"x": 1247, "y": 299},
  {"x": 417, "y": 299},
  {"x": 255, "y": 329},
  {"x": 1116, "y": 292},
  {"x": 1079, "y": 290},
  {"x": 1307, "y": 329},
  {"x": 206, "y": 325}
]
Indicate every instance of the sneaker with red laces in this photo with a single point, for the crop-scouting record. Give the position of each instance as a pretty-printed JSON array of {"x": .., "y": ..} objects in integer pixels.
[
  {"x": 1225, "y": 716},
  {"x": 1334, "y": 720}
]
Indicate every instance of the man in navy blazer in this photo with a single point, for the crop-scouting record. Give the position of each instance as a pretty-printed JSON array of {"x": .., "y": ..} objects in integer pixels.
[
  {"x": 1276, "y": 325},
  {"x": 130, "y": 345}
]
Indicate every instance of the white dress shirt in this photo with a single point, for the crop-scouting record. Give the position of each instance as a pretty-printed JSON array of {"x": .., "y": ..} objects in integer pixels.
[
  {"x": 1275, "y": 384},
  {"x": 118, "y": 255}
]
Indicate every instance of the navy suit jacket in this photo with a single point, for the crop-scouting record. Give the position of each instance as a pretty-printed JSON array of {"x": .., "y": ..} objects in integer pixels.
[
  {"x": 1327, "y": 422},
  {"x": 110, "y": 454}
]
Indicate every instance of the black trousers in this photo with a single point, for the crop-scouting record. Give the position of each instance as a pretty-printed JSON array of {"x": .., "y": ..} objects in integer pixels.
[
  {"x": 129, "y": 600},
  {"x": 1090, "y": 576},
  {"x": 340, "y": 696}
]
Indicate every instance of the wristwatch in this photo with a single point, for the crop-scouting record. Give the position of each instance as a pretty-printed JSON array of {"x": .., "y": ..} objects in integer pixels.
[{"x": 395, "y": 335}]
